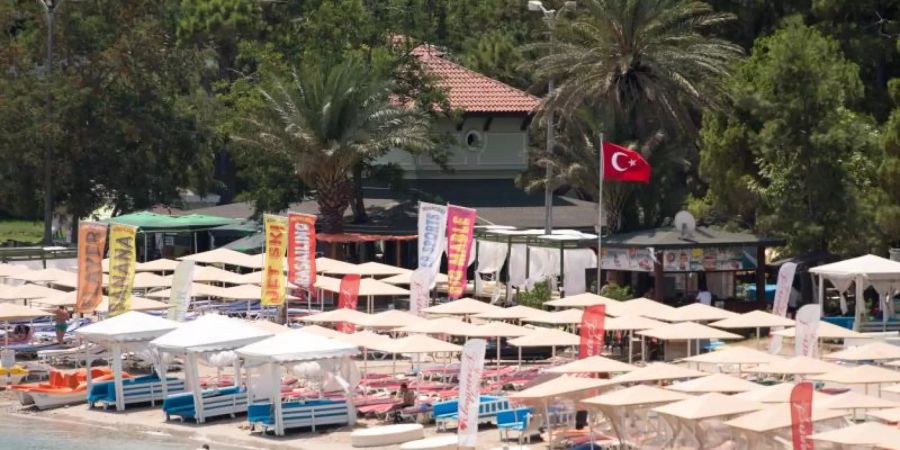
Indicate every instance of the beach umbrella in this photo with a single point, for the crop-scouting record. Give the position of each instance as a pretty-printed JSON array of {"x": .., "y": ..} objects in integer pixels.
[
  {"x": 776, "y": 393},
  {"x": 161, "y": 265},
  {"x": 147, "y": 280},
  {"x": 873, "y": 351},
  {"x": 518, "y": 312},
  {"x": 322, "y": 331},
  {"x": 137, "y": 304},
  {"x": 754, "y": 319},
  {"x": 887, "y": 415},
  {"x": 593, "y": 364},
  {"x": 337, "y": 315},
  {"x": 462, "y": 307},
  {"x": 12, "y": 270},
  {"x": 221, "y": 256},
  {"x": 570, "y": 316},
  {"x": 245, "y": 292},
  {"x": 441, "y": 325},
  {"x": 699, "y": 312},
  {"x": 640, "y": 394},
  {"x": 798, "y": 365},
  {"x": 495, "y": 330},
  {"x": 895, "y": 389},
  {"x": 545, "y": 337},
  {"x": 369, "y": 269},
  {"x": 737, "y": 354},
  {"x": 10, "y": 312},
  {"x": 657, "y": 372},
  {"x": 324, "y": 264},
  {"x": 406, "y": 278},
  {"x": 250, "y": 278},
  {"x": 824, "y": 330},
  {"x": 775, "y": 417},
  {"x": 41, "y": 276},
  {"x": 869, "y": 433},
  {"x": 419, "y": 343},
  {"x": 717, "y": 382},
  {"x": 631, "y": 323},
  {"x": 854, "y": 401},
  {"x": 392, "y": 318},
  {"x": 70, "y": 281},
  {"x": 210, "y": 274},
  {"x": 687, "y": 331},
  {"x": 368, "y": 288},
  {"x": 586, "y": 299},
  {"x": 649, "y": 308},
  {"x": 367, "y": 340},
  {"x": 197, "y": 290},
  {"x": 863, "y": 374},
  {"x": 692, "y": 411},
  {"x": 269, "y": 326},
  {"x": 563, "y": 386},
  {"x": 67, "y": 299},
  {"x": 27, "y": 292}
]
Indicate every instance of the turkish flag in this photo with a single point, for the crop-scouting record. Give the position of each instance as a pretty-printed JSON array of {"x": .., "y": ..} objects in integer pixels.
[{"x": 623, "y": 164}]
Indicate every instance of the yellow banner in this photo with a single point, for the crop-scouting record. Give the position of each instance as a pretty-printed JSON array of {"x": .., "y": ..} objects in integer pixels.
[
  {"x": 122, "y": 258},
  {"x": 274, "y": 281}
]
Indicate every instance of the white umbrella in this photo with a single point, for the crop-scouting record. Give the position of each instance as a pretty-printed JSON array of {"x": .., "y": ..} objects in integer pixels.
[
  {"x": 869, "y": 433},
  {"x": 734, "y": 355},
  {"x": 649, "y": 308},
  {"x": 687, "y": 331},
  {"x": 717, "y": 382},
  {"x": 754, "y": 319},
  {"x": 863, "y": 374},
  {"x": 593, "y": 364},
  {"x": 873, "y": 351},
  {"x": 777, "y": 393},
  {"x": 632, "y": 323},
  {"x": 798, "y": 365},
  {"x": 657, "y": 372},
  {"x": 699, "y": 312},
  {"x": 496, "y": 330},
  {"x": 462, "y": 307}
]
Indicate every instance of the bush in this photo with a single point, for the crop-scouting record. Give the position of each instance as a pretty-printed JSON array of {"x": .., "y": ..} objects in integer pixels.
[
  {"x": 616, "y": 292},
  {"x": 536, "y": 296}
]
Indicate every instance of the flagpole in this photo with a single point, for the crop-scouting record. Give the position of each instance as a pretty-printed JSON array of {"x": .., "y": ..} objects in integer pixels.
[{"x": 599, "y": 213}]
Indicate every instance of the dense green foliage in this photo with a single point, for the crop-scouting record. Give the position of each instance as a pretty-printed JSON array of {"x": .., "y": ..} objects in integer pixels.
[{"x": 773, "y": 116}]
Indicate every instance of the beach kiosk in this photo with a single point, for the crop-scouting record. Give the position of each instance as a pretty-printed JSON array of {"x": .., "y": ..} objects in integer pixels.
[
  {"x": 131, "y": 330},
  {"x": 292, "y": 348},
  {"x": 212, "y": 337}
]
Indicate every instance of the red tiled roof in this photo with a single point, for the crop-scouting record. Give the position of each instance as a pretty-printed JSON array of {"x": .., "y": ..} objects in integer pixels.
[{"x": 471, "y": 91}]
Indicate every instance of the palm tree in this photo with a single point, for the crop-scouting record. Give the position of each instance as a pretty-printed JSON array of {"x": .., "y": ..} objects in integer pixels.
[
  {"x": 649, "y": 63},
  {"x": 329, "y": 120}
]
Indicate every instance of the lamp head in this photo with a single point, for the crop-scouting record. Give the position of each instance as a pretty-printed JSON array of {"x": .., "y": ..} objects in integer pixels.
[{"x": 535, "y": 5}]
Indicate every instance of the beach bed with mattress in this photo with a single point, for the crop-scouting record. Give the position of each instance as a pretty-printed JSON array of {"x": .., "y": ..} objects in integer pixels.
[
  {"x": 145, "y": 389},
  {"x": 297, "y": 414},
  {"x": 215, "y": 402},
  {"x": 488, "y": 407}
]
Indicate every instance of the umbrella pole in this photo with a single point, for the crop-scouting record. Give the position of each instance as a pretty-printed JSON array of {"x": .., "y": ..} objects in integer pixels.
[
  {"x": 520, "y": 357},
  {"x": 630, "y": 345},
  {"x": 757, "y": 338},
  {"x": 643, "y": 348},
  {"x": 6, "y": 336},
  {"x": 549, "y": 427},
  {"x": 498, "y": 351}
]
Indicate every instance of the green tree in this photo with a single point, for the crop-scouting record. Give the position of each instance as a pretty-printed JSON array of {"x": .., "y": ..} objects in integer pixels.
[
  {"x": 790, "y": 157},
  {"x": 328, "y": 120},
  {"x": 643, "y": 70},
  {"x": 887, "y": 208}
]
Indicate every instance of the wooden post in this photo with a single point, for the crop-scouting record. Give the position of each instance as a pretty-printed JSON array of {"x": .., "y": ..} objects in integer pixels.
[
  {"x": 399, "y": 248},
  {"x": 660, "y": 278},
  {"x": 760, "y": 273}
]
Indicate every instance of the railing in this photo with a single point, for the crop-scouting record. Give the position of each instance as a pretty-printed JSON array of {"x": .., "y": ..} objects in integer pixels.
[{"x": 8, "y": 254}]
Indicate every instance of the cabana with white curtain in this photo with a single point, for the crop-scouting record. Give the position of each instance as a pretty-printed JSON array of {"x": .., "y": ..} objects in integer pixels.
[
  {"x": 869, "y": 270},
  {"x": 267, "y": 409},
  {"x": 213, "y": 338},
  {"x": 697, "y": 422},
  {"x": 132, "y": 330},
  {"x": 628, "y": 411}
]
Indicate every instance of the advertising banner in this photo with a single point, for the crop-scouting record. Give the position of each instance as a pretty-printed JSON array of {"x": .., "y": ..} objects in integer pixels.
[
  {"x": 782, "y": 298},
  {"x": 180, "y": 299},
  {"x": 470, "y": 371},
  {"x": 460, "y": 226},
  {"x": 122, "y": 261},
  {"x": 348, "y": 298},
  {"x": 432, "y": 229},
  {"x": 91, "y": 244},
  {"x": 709, "y": 259},
  {"x": 274, "y": 283},
  {"x": 807, "y": 330},
  {"x": 801, "y": 415},
  {"x": 419, "y": 291},
  {"x": 592, "y": 331},
  {"x": 301, "y": 253}
]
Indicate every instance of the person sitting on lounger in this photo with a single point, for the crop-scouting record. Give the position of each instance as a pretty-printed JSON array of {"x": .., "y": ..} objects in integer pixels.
[
  {"x": 407, "y": 399},
  {"x": 20, "y": 334}
]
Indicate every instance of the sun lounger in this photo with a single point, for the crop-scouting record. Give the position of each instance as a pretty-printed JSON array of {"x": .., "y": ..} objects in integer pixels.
[
  {"x": 215, "y": 402},
  {"x": 488, "y": 407},
  {"x": 514, "y": 420},
  {"x": 311, "y": 413},
  {"x": 145, "y": 389}
]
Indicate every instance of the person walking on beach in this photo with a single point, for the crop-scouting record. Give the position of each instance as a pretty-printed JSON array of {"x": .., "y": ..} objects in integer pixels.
[{"x": 61, "y": 320}]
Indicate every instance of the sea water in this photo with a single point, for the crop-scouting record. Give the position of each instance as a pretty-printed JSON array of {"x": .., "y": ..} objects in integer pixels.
[{"x": 22, "y": 433}]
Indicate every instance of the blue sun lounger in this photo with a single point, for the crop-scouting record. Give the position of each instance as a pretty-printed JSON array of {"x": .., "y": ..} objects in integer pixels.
[
  {"x": 310, "y": 413},
  {"x": 216, "y": 402},
  {"x": 145, "y": 389},
  {"x": 488, "y": 407}
]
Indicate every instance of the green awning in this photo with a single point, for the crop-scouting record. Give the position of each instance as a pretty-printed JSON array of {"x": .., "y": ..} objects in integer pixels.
[
  {"x": 148, "y": 221},
  {"x": 252, "y": 244}
]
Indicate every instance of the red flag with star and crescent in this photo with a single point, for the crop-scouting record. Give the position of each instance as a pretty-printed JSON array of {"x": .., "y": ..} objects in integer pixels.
[{"x": 623, "y": 164}]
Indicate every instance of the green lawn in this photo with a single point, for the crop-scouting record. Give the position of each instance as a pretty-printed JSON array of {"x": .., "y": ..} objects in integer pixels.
[{"x": 21, "y": 230}]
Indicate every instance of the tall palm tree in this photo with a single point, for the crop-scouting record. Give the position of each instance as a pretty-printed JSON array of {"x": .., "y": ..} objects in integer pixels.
[
  {"x": 329, "y": 120},
  {"x": 651, "y": 63}
]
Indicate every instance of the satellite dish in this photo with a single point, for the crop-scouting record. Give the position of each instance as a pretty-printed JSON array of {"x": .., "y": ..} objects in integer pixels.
[{"x": 685, "y": 222}]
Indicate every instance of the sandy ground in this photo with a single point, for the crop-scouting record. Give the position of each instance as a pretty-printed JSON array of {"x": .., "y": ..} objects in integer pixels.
[{"x": 222, "y": 432}]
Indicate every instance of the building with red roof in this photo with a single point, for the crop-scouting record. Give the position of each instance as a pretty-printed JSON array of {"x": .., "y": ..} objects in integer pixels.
[{"x": 491, "y": 133}]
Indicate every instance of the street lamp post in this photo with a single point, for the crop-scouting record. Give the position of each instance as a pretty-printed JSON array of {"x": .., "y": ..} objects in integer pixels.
[
  {"x": 50, "y": 8},
  {"x": 550, "y": 16}
]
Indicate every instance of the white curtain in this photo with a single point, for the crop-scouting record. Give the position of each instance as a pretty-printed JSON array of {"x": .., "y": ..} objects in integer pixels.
[
  {"x": 491, "y": 256},
  {"x": 543, "y": 264},
  {"x": 517, "y": 265},
  {"x": 576, "y": 262}
]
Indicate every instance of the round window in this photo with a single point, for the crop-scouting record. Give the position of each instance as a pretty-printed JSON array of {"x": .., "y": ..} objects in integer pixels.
[{"x": 474, "y": 141}]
